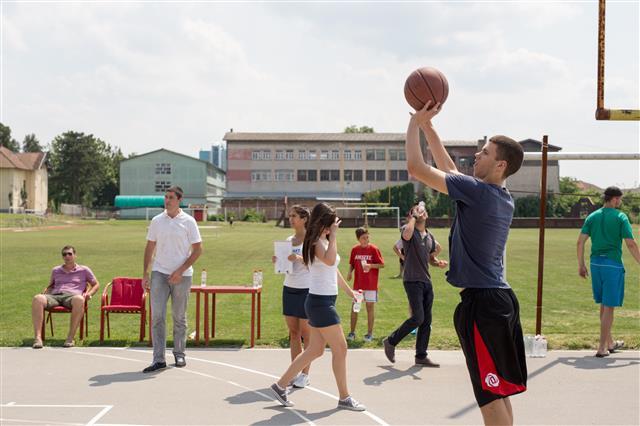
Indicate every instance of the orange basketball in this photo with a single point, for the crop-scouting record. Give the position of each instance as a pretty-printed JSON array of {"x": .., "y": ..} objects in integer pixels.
[{"x": 426, "y": 84}]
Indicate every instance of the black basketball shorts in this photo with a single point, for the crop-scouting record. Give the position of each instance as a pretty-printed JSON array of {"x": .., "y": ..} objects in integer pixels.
[{"x": 488, "y": 325}]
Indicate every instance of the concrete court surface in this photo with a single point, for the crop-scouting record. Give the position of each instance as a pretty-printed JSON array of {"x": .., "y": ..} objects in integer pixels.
[{"x": 105, "y": 386}]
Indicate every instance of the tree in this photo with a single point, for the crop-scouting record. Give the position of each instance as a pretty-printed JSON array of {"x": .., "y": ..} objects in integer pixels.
[
  {"x": 31, "y": 144},
  {"x": 111, "y": 184},
  {"x": 6, "y": 140},
  {"x": 355, "y": 129},
  {"x": 82, "y": 169}
]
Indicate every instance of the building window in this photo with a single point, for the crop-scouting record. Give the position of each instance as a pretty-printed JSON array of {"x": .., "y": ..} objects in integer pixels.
[
  {"x": 284, "y": 175},
  {"x": 162, "y": 185},
  {"x": 324, "y": 155},
  {"x": 307, "y": 175},
  {"x": 261, "y": 155},
  {"x": 376, "y": 175},
  {"x": 163, "y": 168},
  {"x": 329, "y": 175},
  {"x": 357, "y": 154},
  {"x": 288, "y": 154},
  {"x": 353, "y": 175},
  {"x": 334, "y": 155},
  {"x": 279, "y": 154},
  {"x": 398, "y": 175},
  {"x": 347, "y": 154},
  {"x": 260, "y": 175},
  {"x": 375, "y": 154},
  {"x": 397, "y": 155},
  {"x": 302, "y": 154},
  {"x": 312, "y": 155}
]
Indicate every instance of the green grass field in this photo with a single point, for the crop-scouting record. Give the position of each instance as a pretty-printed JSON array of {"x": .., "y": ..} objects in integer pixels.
[{"x": 115, "y": 248}]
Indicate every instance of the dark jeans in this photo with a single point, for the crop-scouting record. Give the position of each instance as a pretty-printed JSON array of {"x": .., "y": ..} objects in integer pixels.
[{"x": 420, "y": 295}]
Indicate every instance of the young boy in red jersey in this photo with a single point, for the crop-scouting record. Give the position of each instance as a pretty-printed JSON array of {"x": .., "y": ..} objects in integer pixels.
[{"x": 365, "y": 260}]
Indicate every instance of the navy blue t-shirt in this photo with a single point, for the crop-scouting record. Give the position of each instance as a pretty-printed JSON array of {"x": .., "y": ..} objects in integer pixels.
[{"x": 479, "y": 232}]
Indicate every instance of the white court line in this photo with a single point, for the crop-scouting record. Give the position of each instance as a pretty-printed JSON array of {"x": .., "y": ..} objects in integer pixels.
[
  {"x": 184, "y": 370},
  {"x": 249, "y": 370},
  {"x": 99, "y": 415},
  {"x": 39, "y": 422},
  {"x": 105, "y": 409}
]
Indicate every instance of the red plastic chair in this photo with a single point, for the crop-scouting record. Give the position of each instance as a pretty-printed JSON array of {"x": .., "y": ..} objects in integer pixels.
[
  {"x": 84, "y": 322},
  {"x": 127, "y": 297}
]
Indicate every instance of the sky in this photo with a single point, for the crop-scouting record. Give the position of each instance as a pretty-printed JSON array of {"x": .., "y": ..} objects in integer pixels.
[{"x": 150, "y": 75}]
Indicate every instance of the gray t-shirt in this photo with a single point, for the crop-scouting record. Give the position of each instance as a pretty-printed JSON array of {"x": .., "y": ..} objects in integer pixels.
[{"x": 416, "y": 256}]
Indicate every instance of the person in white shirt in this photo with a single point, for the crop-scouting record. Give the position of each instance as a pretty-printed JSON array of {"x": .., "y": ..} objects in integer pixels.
[
  {"x": 175, "y": 239},
  {"x": 295, "y": 290},
  {"x": 320, "y": 254}
]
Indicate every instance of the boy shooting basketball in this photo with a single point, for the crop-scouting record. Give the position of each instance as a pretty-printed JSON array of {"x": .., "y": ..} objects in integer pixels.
[{"x": 487, "y": 320}]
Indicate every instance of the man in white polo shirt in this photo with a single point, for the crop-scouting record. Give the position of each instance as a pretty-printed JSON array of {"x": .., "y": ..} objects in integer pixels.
[{"x": 174, "y": 237}]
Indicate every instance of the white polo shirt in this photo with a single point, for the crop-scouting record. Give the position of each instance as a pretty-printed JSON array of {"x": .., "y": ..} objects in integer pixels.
[{"x": 173, "y": 238}]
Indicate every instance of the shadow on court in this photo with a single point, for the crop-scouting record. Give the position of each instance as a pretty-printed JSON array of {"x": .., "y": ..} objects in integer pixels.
[{"x": 230, "y": 386}]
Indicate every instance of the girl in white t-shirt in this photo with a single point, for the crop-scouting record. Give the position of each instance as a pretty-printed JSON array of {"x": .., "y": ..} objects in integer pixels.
[
  {"x": 320, "y": 254},
  {"x": 295, "y": 290}
]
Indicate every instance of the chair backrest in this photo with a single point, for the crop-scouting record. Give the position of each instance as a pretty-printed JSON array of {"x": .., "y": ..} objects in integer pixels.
[{"x": 126, "y": 291}]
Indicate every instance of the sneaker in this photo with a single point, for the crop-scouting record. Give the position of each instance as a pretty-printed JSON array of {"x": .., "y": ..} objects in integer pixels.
[
  {"x": 426, "y": 362},
  {"x": 180, "y": 361},
  {"x": 281, "y": 395},
  {"x": 368, "y": 338},
  {"x": 351, "y": 336},
  {"x": 154, "y": 367},
  {"x": 414, "y": 331},
  {"x": 37, "y": 344},
  {"x": 301, "y": 381},
  {"x": 350, "y": 403},
  {"x": 389, "y": 350}
]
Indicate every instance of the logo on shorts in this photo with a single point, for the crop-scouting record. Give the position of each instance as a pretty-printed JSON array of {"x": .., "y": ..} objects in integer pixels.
[{"x": 492, "y": 380}]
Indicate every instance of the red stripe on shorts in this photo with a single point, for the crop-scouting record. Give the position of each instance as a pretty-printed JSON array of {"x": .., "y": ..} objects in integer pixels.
[{"x": 489, "y": 377}]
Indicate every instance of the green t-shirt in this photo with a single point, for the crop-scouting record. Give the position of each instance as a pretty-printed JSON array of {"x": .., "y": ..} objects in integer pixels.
[{"x": 607, "y": 227}]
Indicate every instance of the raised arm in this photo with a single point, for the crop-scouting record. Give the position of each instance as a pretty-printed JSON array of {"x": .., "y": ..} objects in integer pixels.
[
  {"x": 440, "y": 155},
  {"x": 416, "y": 165}
]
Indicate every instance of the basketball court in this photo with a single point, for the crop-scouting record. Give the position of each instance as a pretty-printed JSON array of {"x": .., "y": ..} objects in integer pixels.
[{"x": 105, "y": 386}]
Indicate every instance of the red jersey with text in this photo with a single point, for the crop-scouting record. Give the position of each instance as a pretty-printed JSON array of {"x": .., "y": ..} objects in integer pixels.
[{"x": 370, "y": 254}]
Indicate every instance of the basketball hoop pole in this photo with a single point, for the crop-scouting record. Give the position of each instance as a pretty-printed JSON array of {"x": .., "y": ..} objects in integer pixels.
[
  {"x": 543, "y": 211},
  {"x": 603, "y": 113}
]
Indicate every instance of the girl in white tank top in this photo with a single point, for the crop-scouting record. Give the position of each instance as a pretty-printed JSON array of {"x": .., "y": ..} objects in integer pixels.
[{"x": 320, "y": 253}]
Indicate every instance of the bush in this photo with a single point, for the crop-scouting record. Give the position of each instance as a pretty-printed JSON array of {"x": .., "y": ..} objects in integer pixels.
[
  {"x": 215, "y": 218},
  {"x": 251, "y": 215}
]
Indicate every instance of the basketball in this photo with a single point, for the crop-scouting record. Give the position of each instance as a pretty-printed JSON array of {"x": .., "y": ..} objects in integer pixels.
[{"x": 426, "y": 84}]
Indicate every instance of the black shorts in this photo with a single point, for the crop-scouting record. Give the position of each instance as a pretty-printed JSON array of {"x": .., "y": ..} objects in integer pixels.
[
  {"x": 293, "y": 301},
  {"x": 321, "y": 310},
  {"x": 488, "y": 325}
]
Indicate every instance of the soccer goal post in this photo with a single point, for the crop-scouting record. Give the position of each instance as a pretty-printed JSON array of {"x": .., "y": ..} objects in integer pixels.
[{"x": 366, "y": 212}]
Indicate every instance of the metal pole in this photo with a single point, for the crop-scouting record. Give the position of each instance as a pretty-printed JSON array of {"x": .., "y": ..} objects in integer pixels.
[
  {"x": 601, "y": 15},
  {"x": 543, "y": 210}
]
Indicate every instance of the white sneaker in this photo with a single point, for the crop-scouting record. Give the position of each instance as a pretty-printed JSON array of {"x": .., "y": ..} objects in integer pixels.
[
  {"x": 351, "y": 336},
  {"x": 301, "y": 381},
  {"x": 368, "y": 338}
]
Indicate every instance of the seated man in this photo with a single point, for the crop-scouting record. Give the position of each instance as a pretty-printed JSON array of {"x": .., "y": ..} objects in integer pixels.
[{"x": 66, "y": 287}]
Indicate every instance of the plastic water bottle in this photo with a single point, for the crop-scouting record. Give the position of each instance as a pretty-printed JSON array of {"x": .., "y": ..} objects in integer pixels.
[
  {"x": 539, "y": 347},
  {"x": 421, "y": 208},
  {"x": 528, "y": 345},
  {"x": 203, "y": 278},
  {"x": 259, "y": 277},
  {"x": 358, "y": 303},
  {"x": 363, "y": 263},
  {"x": 256, "y": 278}
]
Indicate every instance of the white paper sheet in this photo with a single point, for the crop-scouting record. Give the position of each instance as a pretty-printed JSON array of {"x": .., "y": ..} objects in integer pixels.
[{"x": 282, "y": 250}]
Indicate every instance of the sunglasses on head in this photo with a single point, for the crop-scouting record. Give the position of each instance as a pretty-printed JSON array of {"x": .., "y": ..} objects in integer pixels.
[{"x": 67, "y": 253}]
